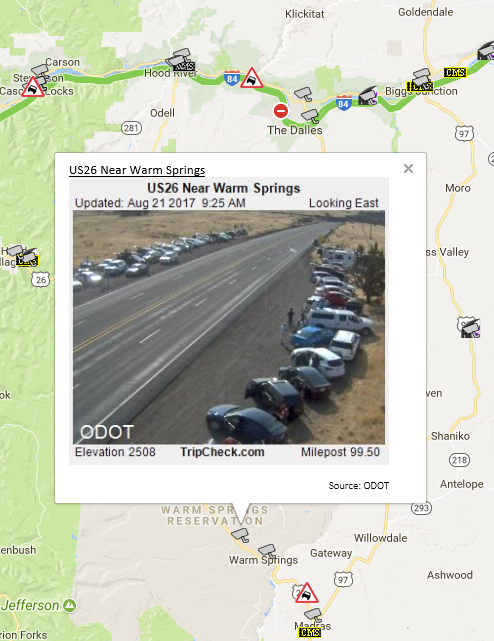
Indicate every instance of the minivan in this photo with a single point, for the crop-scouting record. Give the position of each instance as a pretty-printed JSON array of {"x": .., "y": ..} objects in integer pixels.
[
  {"x": 339, "y": 319},
  {"x": 346, "y": 344}
]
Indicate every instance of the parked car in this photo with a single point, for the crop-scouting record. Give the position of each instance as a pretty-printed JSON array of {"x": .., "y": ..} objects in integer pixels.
[
  {"x": 170, "y": 258},
  {"x": 169, "y": 247},
  {"x": 337, "y": 300},
  {"x": 311, "y": 336},
  {"x": 276, "y": 396},
  {"x": 151, "y": 259},
  {"x": 333, "y": 280},
  {"x": 346, "y": 344},
  {"x": 77, "y": 286},
  {"x": 322, "y": 290},
  {"x": 355, "y": 305},
  {"x": 249, "y": 425},
  {"x": 90, "y": 279},
  {"x": 136, "y": 270},
  {"x": 307, "y": 380},
  {"x": 339, "y": 319},
  {"x": 111, "y": 270},
  {"x": 321, "y": 272},
  {"x": 328, "y": 363},
  {"x": 103, "y": 264},
  {"x": 88, "y": 265}
]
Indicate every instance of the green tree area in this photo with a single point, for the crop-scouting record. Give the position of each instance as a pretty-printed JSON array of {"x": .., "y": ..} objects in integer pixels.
[{"x": 369, "y": 272}]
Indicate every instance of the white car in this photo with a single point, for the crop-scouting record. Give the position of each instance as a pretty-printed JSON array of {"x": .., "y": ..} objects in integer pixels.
[
  {"x": 346, "y": 344},
  {"x": 339, "y": 319},
  {"x": 335, "y": 282},
  {"x": 77, "y": 286},
  {"x": 331, "y": 365},
  {"x": 169, "y": 258}
]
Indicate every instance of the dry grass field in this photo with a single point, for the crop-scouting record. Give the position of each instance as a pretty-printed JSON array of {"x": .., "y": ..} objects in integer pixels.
[
  {"x": 359, "y": 401},
  {"x": 101, "y": 234},
  {"x": 351, "y": 235}
]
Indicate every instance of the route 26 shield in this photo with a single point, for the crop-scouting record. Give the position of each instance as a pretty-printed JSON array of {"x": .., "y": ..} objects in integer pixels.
[
  {"x": 343, "y": 102},
  {"x": 231, "y": 77},
  {"x": 464, "y": 133},
  {"x": 343, "y": 579}
]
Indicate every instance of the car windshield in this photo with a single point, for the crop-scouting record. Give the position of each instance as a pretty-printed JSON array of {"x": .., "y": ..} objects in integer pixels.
[
  {"x": 315, "y": 378},
  {"x": 336, "y": 362},
  {"x": 340, "y": 344},
  {"x": 306, "y": 332}
]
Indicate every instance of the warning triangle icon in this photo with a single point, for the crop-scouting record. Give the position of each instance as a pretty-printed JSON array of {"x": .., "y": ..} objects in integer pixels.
[
  {"x": 251, "y": 80},
  {"x": 306, "y": 595},
  {"x": 33, "y": 90}
]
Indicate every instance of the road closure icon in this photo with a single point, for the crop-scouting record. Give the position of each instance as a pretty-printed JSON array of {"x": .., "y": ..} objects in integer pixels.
[
  {"x": 33, "y": 90},
  {"x": 306, "y": 595},
  {"x": 251, "y": 80}
]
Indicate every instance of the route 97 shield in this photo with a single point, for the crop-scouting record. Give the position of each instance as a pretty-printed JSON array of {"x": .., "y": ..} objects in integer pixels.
[{"x": 343, "y": 579}]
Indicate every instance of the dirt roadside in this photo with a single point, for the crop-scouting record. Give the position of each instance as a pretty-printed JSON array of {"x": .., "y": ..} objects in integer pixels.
[{"x": 249, "y": 348}]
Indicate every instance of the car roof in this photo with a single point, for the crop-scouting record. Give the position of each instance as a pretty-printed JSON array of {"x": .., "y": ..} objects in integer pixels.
[
  {"x": 344, "y": 335},
  {"x": 284, "y": 386},
  {"x": 325, "y": 353},
  {"x": 312, "y": 329},
  {"x": 223, "y": 409},
  {"x": 254, "y": 414}
]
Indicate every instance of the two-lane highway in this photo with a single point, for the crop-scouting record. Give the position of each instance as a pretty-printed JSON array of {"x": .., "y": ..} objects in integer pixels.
[{"x": 130, "y": 343}]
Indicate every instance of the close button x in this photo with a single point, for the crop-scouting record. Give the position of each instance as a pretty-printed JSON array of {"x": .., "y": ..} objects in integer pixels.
[{"x": 408, "y": 168}]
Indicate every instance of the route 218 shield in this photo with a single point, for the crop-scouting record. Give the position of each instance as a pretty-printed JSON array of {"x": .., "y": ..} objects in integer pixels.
[
  {"x": 231, "y": 77},
  {"x": 343, "y": 102}
]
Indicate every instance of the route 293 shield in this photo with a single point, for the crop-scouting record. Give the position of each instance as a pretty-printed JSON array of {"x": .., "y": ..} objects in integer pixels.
[
  {"x": 343, "y": 102},
  {"x": 231, "y": 77}
]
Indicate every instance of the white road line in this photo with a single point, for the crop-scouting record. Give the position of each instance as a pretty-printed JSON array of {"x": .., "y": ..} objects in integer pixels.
[
  {"x": 284, "y": 264},
  {"x": 179, "y": 277},
  {"x": 200, "y": 302},
  {"x": 77, "y": 385},
  {"x": 230, "y": 282},
  {"x": 136, "y": 296},
  {"x": 150, "y": 336},
  {"x": 79, "y": 323},
  {"x": 252, "y": 269},
  {"x": 269, "y": 258}
]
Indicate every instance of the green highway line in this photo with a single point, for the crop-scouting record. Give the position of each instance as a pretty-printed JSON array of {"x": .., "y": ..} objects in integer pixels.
[{"x": 270, "y": 91}]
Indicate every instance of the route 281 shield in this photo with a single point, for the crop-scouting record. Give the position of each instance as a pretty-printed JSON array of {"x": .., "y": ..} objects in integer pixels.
[
  {"x": 231, "y": 77},
  {"x": 344, "y": 102}
]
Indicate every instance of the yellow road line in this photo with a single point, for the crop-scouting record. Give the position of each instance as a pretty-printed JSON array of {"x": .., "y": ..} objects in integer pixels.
[
  {"x": 359, "y": 558},
  {"x": 166, "y": 299},
  {"x": 237, "y": 541},
  {"x": 443, "y": 265},
  {"x": 424, "y": 41},
  {"x": 17, "y": 625},
  {"x": 323, "y": 146},
  {"x": 166, "y": 119}
]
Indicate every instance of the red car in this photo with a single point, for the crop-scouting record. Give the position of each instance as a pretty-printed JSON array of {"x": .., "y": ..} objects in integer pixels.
[{"x": 338, "y": 300}]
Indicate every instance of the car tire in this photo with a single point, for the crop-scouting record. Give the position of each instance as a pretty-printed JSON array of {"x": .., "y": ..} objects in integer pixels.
[{"x": 365, "y": 332}]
